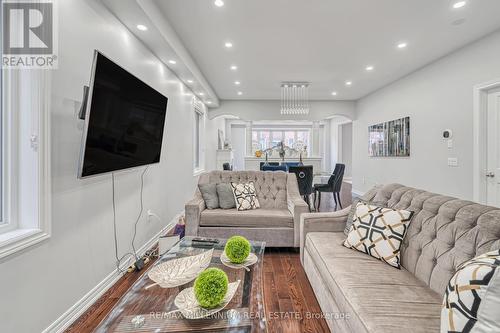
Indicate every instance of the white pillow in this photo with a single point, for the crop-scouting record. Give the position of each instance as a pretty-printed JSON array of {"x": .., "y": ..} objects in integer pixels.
[
  {"x": 472, "y": 299},
  {"x": 379, "y": 232},
  {"x": 245, "y": 196}
]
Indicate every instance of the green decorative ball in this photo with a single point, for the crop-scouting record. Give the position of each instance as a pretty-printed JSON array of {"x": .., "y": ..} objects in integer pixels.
[
  {"x": 237, "y": 249},
  {"x": 210, "y": 287}
]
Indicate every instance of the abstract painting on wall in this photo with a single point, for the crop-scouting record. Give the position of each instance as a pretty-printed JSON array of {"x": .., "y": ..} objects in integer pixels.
[{"x": 390, "y": 139}]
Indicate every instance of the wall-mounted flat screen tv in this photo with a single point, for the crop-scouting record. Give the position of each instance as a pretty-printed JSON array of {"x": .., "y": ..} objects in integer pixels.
[{"x": 124, "y": 121}]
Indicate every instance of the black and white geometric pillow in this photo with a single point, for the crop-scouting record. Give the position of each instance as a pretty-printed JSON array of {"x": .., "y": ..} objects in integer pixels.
[
  {"x": 379, "y": 232},
  {"x": 472, "y": 299},
  {"x": 245, "y": 196}
]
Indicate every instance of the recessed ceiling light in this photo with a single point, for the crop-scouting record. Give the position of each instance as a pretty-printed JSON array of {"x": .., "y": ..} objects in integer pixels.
[
  {"x": 459, "y": 4},
  {"x": 369, "y": 68},
  {"x": 209, "y": 102},
  {"x": 402, "y": 45},
  {"x": 228, "y": 45},
  {"x": 142, "y": 27},
  {"x": 201, "y": 93},
  {"x": 173, "y": 62},
  {"x": 348, "y": 83},
  {"x": 190, "y": 81},
  {"x": 240, "y": 93},
  {"x": 234, "y": 67},
  {"x": 334, "y": 93},
  {"x": 219, "y": 3},
  {"x": 237, "y": 83}
]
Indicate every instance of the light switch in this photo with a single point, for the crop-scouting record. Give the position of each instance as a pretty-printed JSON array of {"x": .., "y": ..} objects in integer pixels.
[
  {"x": 450, "y": 143},
  {"x": 452, "y": 161}
]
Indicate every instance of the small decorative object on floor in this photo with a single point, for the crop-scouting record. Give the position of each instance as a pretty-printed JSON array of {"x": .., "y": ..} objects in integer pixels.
[
  {"x": 472, "y": 297},
  {"x": 180, "y": 271},
  {"x": 138, "y": 321},
  {"x": 180, "y": 227},
  {"x": 237, "y": 249},
  {"x": 190, "y": 308},
  {"x": 210, "y": 287}
]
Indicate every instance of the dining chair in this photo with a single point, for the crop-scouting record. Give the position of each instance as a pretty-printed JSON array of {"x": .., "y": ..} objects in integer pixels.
[
  {"x": 334, "y": 186},
  {"x": 305, "y": 180}
]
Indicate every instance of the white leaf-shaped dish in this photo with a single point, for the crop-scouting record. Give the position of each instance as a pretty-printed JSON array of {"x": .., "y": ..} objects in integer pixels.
[
  {"x": 174, "y": 273},
  {"x": 249, "y": 261},
  {"x": 190, "y": 308}
]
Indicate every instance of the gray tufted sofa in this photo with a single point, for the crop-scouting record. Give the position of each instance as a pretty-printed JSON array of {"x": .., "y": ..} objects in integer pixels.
[
  {"x": 276, "y": 222},
  {"x": 443, "y": 233}
]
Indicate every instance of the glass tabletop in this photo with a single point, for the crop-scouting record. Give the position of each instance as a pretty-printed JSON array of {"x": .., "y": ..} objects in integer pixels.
[{"x": 143, "y": 309}]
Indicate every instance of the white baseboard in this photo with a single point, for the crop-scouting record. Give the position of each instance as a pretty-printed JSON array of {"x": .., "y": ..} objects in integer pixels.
[{"x": 74, "y": 312}]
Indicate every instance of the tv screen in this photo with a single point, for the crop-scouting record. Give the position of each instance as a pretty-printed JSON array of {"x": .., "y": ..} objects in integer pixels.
[{"x": 124, "y": 121}]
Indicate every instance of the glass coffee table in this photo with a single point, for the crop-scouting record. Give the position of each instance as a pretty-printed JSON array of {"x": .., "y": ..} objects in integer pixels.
[{"x": 147, "y": 310}]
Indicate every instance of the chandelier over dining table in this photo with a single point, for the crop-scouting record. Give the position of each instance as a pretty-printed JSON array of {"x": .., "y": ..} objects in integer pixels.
[{"x": 294, "y": 98}]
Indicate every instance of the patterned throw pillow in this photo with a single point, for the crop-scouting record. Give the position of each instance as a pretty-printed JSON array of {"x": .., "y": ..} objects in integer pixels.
[
  {"x": 379, "y": 232},
  {"x": 245, "y": 196},
  {"x": 472, "y": 298}
]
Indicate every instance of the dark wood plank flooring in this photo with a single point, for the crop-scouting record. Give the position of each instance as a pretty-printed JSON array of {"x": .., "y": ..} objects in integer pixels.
[{"x": 289, "y": 298}]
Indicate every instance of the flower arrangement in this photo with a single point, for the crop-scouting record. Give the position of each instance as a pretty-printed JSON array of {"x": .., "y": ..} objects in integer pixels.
[
  {"x": 210, "y": 287},
  {"x": 237, "y": 249}
]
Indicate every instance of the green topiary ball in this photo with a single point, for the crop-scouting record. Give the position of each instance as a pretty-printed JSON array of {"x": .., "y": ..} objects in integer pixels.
[
  {"x": 237, "y": 249},
  {"x": 210, "y": 287}
]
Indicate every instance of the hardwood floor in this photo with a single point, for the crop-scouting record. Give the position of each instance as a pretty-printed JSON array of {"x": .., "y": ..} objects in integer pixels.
[{"x": 289, "y": 298}]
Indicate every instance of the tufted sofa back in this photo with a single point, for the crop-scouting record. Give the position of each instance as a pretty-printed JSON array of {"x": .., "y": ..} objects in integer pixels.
[
  {"x": 443, "y": 233},
  {"x": 269, "y": 185}
]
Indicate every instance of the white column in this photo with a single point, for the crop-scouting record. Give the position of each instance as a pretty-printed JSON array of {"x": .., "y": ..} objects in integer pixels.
[
  {"x": 248, "y": 131},
  {"x": 315, "y": 139}
]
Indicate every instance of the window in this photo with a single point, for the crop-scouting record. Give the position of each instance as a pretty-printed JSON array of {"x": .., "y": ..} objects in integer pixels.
[
  {"x": 198, "y": 135},
  {"x": 268, "y": 138},
  {"x": 24, "y": 162}
]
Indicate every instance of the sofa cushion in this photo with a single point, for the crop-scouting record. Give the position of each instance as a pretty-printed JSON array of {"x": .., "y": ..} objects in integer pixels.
[
  {"x": 209, "y": 194},
  {"x": 270, "y": 186},
  {"x": 379, "y": 232},
  {"x": 472, "y": 298},
  {"x": 377, "y": 296},
  {"x": 245, "y": 197},
  {"x": 247, "y": 218},
  {"x": 226, "y": 196}
]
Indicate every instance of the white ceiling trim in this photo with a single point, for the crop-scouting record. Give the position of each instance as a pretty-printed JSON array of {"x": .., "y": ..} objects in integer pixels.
[{"x": 156, "y": 17}]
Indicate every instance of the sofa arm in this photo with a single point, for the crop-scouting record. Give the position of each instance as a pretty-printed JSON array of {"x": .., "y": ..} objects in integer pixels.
[
  {"x": 296, "y": 205},
  {"x": 193, "y": 210},
  {"x": 321, "y": 222}
]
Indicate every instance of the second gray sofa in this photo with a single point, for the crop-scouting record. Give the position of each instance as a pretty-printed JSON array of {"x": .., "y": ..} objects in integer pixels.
[
  {"x": 363, "y": 294},
  {"x": 276, "y": 222}
]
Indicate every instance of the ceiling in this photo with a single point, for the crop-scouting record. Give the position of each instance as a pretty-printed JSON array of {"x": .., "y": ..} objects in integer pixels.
[{"x": 325, "y": 42}]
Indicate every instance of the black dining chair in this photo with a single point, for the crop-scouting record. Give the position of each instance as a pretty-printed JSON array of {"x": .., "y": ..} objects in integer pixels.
[
  {"x": 334, "y": 186},
  {"x": 268, "y": 163},
  {"x": 227, "y": 167},
  {"x": 305, "y": 180}
]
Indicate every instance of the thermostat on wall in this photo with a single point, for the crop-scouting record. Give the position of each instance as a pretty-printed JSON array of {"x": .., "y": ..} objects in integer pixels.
[{"x": 447, "y": 134}]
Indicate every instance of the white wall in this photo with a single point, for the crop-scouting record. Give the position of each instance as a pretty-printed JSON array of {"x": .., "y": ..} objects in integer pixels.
[
  {"x": 270, "y": 110},
  {"x": 41, "y": 283},
  {"x": 347, "y": 148},
  {"x": 437, "y": 97},
  {"x": 238, "y": 142},
  {"x": 212, "y": 141}
]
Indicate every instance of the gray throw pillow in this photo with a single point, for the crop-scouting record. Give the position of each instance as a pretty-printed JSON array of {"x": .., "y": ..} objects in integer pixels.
[
  {"x": 350, "y": 217},
  {"x": 226, "y": 196},
  {"x": 209, "y": 194}
]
